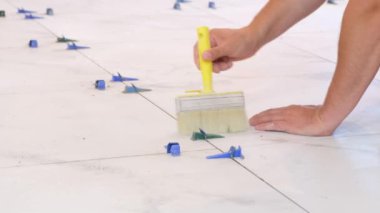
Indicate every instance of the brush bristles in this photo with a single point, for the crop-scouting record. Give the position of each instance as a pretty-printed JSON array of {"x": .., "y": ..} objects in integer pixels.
[{"x": 228, "y": 115}]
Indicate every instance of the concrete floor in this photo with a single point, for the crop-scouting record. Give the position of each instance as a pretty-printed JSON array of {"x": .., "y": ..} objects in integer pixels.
[{"x": 66, "y": 147}]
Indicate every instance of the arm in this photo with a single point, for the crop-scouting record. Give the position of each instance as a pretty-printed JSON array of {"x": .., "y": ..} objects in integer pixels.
[
  {"x": 358, "y": 62},
  {"x": 229, "y": 45},
  {"x": 278, "y": 16}
]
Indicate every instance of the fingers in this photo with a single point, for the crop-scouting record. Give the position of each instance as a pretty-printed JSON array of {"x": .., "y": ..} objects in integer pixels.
[
  {"x": 279, "y": 126},
  {"x": 220, "y": 64},
  {"x": 267, "y": 116},
  {"x": 271, "y": 120},
  {"x": 214, "y": 53},
  {"x": 218, "y": 67},
  {"x": 217, "y": 54},
  {"x": 294, "y": 119},
  {"x": 212, "y": 39}
]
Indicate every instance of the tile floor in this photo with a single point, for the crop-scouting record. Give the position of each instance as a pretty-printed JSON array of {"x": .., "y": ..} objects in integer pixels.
[{"x": 66, "y": 147}]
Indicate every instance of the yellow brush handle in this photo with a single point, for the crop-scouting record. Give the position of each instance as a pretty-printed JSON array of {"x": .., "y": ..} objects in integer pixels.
[{"x": 206, "y": 66}]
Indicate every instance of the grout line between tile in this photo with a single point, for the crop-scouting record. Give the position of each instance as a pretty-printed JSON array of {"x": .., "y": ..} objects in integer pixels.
[
  {"x": 307, "y": 51},
  {"x": 262, "y": 179},
  {"x": 58, "y": 162},
  {"x": 170, "y": 115}
]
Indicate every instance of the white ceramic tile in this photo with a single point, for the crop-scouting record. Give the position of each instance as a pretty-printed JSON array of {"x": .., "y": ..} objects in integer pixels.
[
  {"x": 325, "y": 174},
  {"x": 325, "y": 19},
  {"x": 322, "y": 178},
  {"x": 189, "y": 183},
  {"x": 50, "y": 105},
  {"x": 318, "y": 33},
  {"x": 68, "y": 147},
  {"x": 326, "y": 49},
  {"x": 82, "y": 124}
]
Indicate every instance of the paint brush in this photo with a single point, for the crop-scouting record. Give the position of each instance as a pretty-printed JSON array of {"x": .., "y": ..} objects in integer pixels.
[{"x": 213, "y": 112}]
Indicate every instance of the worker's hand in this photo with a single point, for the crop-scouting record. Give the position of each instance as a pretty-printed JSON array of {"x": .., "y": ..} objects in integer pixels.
[
  {"x": 294, "y": 119},
  {"x": 227, "y": 46}
]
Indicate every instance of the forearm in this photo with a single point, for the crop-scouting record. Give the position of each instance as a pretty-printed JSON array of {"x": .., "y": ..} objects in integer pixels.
[
  {"x": 278, "y": 16},
  {"x": 358, "y": 60}
]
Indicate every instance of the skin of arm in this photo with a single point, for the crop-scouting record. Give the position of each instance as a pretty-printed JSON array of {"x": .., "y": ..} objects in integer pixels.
[
  {"x": 358, "y": 63},
  {"x": 230, "y": 45}
]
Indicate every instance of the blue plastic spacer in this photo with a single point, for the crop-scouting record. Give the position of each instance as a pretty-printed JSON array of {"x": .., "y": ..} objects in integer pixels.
[
  {"x": 117, "y": 78},
  {"x": 177, "y": 6},
  {"x": 173, "y": 148},
  {"x": 121, "y": 78},
  {"x": 236, "y": 153},
  {"x": 31, "y": 17},
  {"x": 49, "y": 12},
  {"x": 211, "y": 5},
  {"x": 232, "y": 153},
  {"x": 134, "y": 89},
  {"x": 33, "y": 43},
  {"x": 73, "y": 46},
  {"x": 22, "y": 10},
  {"x": 100, "y": 84},
  {"x": 131, "y": 89}
]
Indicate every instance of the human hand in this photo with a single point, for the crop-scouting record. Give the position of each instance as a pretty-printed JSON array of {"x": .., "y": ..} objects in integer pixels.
[
  {"x": 294, "y": 119},
  {"x": 227, "y": 46}
]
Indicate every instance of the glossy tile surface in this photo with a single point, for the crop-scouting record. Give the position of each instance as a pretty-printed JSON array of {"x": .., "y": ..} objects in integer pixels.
[{"x": 67, "y": 147}]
